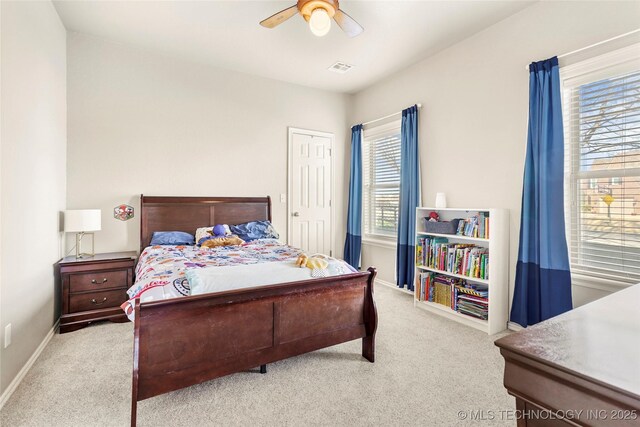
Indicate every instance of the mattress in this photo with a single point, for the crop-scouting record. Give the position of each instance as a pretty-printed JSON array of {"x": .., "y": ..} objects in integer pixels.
[{"x": 161, "y": 272}]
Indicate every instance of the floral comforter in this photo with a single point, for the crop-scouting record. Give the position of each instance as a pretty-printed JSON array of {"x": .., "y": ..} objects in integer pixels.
[{"x": 160, "y": 273}]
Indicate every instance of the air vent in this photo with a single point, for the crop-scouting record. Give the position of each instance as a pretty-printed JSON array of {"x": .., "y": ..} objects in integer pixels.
[{"x": 340, "y": 67}]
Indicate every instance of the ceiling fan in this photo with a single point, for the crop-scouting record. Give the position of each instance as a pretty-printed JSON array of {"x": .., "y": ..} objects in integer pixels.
[{"x": 318, "y": 14}]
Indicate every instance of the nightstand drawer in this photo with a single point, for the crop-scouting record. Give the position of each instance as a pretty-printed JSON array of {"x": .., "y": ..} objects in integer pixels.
[
  {"x": 97, "y": 300},
  {"x": 98, "y": 280}
]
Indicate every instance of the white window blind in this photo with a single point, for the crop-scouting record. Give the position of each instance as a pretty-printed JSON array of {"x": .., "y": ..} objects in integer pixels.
[
  {"x": 602, "y": 139},
  {"x": 381, "y": 180}
]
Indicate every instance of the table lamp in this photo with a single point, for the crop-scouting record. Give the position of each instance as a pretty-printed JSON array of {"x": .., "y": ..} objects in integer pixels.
[{"x": 82, "y": 222}]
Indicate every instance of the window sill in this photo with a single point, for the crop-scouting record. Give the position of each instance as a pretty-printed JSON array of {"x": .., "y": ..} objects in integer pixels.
[
  {"x": 380, "y": 243},
  {"x": 599, "y": 283}
]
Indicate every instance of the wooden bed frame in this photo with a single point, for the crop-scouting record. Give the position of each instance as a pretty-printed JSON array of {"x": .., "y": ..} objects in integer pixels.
[{"x": 185, "y": 341}]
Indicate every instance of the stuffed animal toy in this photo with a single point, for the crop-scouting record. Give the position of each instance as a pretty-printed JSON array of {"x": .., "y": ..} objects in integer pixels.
[
  {"x": 434, "y": 217},
  {"x": 302, "y": 260},
  {"x": 314, "y": 262},
  {"x": 222, "y": 241},
  {"x": 219, "y": 230}
]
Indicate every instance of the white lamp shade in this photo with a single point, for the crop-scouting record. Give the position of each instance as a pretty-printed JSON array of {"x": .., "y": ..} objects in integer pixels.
[
  {"x": 441, "y": 200},
  {"x": 82, "y": 220}
]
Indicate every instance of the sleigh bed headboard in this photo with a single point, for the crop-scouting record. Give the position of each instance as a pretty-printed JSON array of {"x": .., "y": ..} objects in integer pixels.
[{"x": 160, "y": 213}]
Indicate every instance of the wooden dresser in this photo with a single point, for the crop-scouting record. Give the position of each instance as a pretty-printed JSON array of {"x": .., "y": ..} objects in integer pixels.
[
  {"x": 93, "y": 288},
  {"x": 579, "y": 368}
]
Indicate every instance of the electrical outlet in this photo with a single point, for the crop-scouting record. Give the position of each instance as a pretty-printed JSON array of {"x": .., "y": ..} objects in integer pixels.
[
  {"x": 283, "y": 198},
  {"x": 7, "y": 335}
]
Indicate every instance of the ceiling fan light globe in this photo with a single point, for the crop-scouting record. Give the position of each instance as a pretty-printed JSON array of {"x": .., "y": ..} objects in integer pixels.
[{"x": 319, "y": 22}]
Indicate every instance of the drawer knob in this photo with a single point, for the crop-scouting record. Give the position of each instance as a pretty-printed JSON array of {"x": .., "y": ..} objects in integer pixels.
[
  {"x": 94, "y": 281},
  {"x": 93, "y": 301}
]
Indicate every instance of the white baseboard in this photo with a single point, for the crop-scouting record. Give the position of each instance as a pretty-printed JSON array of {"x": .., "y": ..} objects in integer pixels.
[
  {"x": 23, "y": 372},
  {"x": 512, "y": 326},
  {"x": 393, "y": 286}
]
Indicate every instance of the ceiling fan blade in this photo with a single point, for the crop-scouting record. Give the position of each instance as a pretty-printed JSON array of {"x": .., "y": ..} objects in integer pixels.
[
  {"x": 347, "y": 23},
  {"x": 280, "y": 17}
]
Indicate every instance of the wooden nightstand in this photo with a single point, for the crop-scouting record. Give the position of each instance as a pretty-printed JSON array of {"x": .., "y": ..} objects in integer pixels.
[{"x": 93, "y": 288}]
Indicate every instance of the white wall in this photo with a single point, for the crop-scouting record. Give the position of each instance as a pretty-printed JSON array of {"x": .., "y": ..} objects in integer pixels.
[
  {"x": 33, "y": 158},
  {"x": 475, "y": 103},
  {"x": 140, "y": 122}
]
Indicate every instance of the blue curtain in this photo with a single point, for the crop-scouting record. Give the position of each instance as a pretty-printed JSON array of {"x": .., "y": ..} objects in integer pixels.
[
  {"x": 353, "y": 242},
  {"x": 409, "y": 198},
  {"x": 543, "y": 281}
]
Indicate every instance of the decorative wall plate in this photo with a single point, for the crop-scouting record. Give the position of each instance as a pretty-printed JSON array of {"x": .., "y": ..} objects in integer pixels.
[{"x": 123, "y": 212}]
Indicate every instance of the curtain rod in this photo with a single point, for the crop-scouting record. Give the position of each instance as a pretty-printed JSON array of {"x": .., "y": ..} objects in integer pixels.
[
  {"x": 385, "y": 117},
  {"x": 573, "y": 52}
]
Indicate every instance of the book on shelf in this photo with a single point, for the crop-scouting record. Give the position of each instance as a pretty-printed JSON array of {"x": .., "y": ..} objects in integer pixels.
[
  {"x": 454, "y": 293},
  {"x": 474, "y": 291},
  {"x": 437, "y": 288},
  {"x": 475, "y": 226},
  {"x": 459, "y": 258},
  {"x": 473, "y": 301}
]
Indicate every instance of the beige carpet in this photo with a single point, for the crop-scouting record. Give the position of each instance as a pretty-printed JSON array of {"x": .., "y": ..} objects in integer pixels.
[{"x": 427, "y": 370}]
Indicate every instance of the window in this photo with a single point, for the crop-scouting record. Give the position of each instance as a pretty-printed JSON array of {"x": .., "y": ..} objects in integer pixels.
[
  {"x": 601, "y": 103},
  {"x": 381, "y": 180}
]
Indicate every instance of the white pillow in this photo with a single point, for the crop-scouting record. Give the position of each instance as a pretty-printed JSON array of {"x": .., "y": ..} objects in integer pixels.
[{"x": 203, "y": 232}]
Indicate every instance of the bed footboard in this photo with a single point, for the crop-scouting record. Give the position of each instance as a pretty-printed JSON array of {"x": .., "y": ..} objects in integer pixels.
[{"x": 190, "y": 340}]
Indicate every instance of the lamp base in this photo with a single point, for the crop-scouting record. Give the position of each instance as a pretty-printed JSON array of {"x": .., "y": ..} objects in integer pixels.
[{"x": 79, "y": 253}]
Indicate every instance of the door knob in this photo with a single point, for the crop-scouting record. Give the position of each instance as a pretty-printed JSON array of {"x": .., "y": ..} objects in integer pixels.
[{"x": 295, "y": 214}]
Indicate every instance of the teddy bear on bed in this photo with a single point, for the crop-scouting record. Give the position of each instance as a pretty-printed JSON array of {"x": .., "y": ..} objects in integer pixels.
[
  {"x": 314, "y": 262},
  {"x": 220, "y": 235}
]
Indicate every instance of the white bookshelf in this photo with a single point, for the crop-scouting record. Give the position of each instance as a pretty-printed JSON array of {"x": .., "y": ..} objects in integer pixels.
[{"x": 497, "y": 283}]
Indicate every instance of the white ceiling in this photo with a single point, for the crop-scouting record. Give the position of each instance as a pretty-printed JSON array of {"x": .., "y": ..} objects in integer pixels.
[{"x": 226, "y": 34}]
